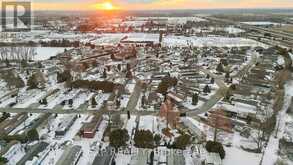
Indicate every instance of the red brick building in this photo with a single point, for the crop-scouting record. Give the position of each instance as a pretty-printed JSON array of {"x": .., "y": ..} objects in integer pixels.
[{"x": 89, "y": 130}]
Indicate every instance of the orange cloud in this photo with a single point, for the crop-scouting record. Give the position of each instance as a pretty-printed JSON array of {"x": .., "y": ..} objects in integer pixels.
[{"x": 164, "y": 4}]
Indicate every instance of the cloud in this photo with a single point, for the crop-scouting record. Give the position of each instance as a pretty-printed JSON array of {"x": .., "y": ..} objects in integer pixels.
[{"x": 165, "y": 4}]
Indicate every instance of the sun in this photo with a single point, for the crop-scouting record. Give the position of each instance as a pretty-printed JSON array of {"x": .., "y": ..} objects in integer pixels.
[
  {"x": 105, "y": 6},
  {"x": 108, "y": 6}
]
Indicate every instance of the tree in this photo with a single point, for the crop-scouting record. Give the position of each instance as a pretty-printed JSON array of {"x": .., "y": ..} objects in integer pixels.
[
  {"x": 263, "y": 130},
  {"x": 32, "y": 82},
  {"x": 23, "y": 63},
  {"x": 94, "y": 102},
  {"x": 152, "y": 158},
  {"x": 32, "y": 135},
  {"x": 3, "y": 160},
  {"x": 144, "y": 139},
  {"x": 166, "y": 83},
  {"x": 143, "y": 100},
  {"x": 157, "y": 139},
  {"x": 227, "y": 75},
  {"x": 64, "y": 76},
  {"x": 182, "y": 141},
  {"x": 129, "y": 75},
  {"x": 104, "y": 74},
  {"x": 195, "y": 99},
  {"x": 12, "y": 79},
  {"x": 118, "y": 103},
  {"x": 118, "y": 138},
  {"x": 220, "y": 67},
  {"x": 44, "y": 101},
  {"x": 233, "y": 86},
  {"x": 216, "y": 147},
  {"x": 212, "y": 81},
  {"x": 7, "y": 63},
  {"x": 119, "y": 67},
  {"x": 207, "y": 89},
  {"x": 70, "y": 102},
  {"x": 218, "y": 120},
  {"x": 4, "y": 116}
]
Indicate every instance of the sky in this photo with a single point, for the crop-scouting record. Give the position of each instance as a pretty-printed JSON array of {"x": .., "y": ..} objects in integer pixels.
[{"x": 157, "y": 4}]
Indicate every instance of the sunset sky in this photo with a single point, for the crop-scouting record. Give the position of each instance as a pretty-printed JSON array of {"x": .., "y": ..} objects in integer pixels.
[{"x": 157, "y": 4}]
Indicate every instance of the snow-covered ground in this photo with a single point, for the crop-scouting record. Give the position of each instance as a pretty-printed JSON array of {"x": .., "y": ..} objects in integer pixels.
[
  {"x": 261, "y": 23},
  {"x": 238, "y": 156},
  {"x": 188, "y": 104},
  {"x": 233, "y": 30},
  {"x": 271, "y": 152},
  {"x": 44, "y": 53},
  {"x": 89, "y": 146},
  {"x": 209, "y": 41}
]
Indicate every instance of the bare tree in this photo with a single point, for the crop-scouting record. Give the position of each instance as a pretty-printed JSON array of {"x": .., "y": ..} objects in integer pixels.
[
  {"x": 219, "y": 121},
  {"x": 17, "y": 53}
]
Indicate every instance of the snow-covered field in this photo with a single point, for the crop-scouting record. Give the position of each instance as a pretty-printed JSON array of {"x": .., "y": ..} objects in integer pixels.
[
  {"x": 209, "y": 41},
  {"x": 261, "y": 23},
  {"x": 44, "y": 53},
  {"x": 174, "y": 20},
  {"x": 115, "y": 38}
]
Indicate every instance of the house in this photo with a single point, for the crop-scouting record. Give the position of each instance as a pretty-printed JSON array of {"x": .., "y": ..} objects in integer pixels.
[
  {"x": 193, "y": 127},
  {"x": 65, "y": 125},
  {"x": 141, "y": 158},
  {"x": 89, "y": 130},
  {"x": 32, "y": 152},
  {"x": 213, "y": 159},
  {"x": 13, "y": 152},
  {"x": 10, "y": 124},
  {"x": 174, "y": 158},
  {"x": 176, "y": 98},
  {"x": 241, "y": 110},
  {"x": 104, "y": 158},
  {"x": 70, "y": 156}
]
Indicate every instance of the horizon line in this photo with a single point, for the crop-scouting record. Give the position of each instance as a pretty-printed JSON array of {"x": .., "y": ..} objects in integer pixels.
[{"x": 171, "y": 9}]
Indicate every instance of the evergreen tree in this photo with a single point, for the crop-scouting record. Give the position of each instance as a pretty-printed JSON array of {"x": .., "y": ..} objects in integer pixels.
[
  {"x": 227, "y": 75},
  {"x": 3, "y": 160},
  {"x": 32, "y": 135},
  {"x": 94, "y": 102},
  {"x": 195, "y": 99},
  {"x": 118, "y": 103},
  {"x": 104, "y": 74},
  {"x": 212, "y": 81},
  {"x": 65, "y": 76},
  {"x": 143, "y": 100},
  {"x": 32, "y": 82},
  {"x": 208, "y": 76},
  {"x": 45, "y": 102},
  {"x": 70, "y": 102},
  {"x": 207, "y": 89},
  {"x": 220, "y": 68},
  {"x": 157, "y": 139}
]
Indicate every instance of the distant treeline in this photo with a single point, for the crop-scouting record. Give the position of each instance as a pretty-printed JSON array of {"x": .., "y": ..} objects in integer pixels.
[
  {"x": 60, "y": 43},
  {"x": 52, "y": 43},
  {"x": 18, "y": 44},
  {"x": 105, "y": 86}
]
